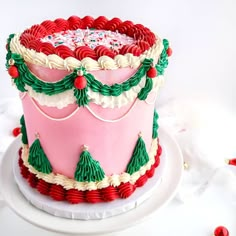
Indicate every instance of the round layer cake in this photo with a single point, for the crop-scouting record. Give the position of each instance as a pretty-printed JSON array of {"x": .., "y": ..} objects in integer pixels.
[{"x": 88, "y": 88}]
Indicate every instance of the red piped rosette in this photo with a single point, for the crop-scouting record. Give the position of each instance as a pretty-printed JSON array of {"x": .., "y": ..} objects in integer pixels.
[
  {"x": 143, "y": 37},
  {"x": 64, "y": 51},
  {"x": 75, "y": 22},
  {"x": 85, "y": 51},
  {"x": 104, "y": 51},
  {"x": 74, "y": 196}
]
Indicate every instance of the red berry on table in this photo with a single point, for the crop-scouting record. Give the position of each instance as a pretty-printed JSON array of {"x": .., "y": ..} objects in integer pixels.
[
  {"x": 152, "y": 72},
  {"x": 221, "y": 231},
  {"x": 169, "y": 52},
  {"x": 16, "y": 131},
  {"x": 13, "y": 71},
  {"x": 232, "y": 162},
  {"x": 80, "y": 82}
]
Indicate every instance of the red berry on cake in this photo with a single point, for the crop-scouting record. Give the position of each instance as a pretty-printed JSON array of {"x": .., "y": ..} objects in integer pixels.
[
  {"x": 13, "y": 71},
  {"x": 80, "y": 82},
  {"x": 221, "y": 231},
  {"x": 169, "y": 52},
  {"x": 16, "y": 131},
  {"x": 152, "y": 72}
]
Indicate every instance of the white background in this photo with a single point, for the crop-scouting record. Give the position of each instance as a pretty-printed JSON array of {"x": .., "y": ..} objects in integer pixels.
[{"x": 203, "y": 36}]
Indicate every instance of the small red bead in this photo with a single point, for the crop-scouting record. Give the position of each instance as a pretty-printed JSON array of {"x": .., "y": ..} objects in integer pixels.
[
  {"x": 13, "y": 71},
  {"x": 152, "y": 72},
  {"x": 16, "y": 131},
  {"x": 221, "y": 231},
  {"x": 232, "y": 162},
  {"x": 80, "y": 82},
  {"x": 169, "y": 52}
]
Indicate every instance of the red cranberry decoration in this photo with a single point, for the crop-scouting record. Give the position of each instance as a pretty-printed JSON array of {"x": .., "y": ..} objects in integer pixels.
[
  {"x": 80, "y": 82},
  {"x": 232, "y": 162},
  {"x": 152, "y": 72},
  {"x": 221, "y": 231},
  {"x": 169, "y": 52},
  {"x": 13, "y": 71},
  {"x": 16, "y": 131}
]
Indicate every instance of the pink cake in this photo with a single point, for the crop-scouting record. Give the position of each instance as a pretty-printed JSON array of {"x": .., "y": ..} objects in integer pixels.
[{"x": 88, "y": 88}]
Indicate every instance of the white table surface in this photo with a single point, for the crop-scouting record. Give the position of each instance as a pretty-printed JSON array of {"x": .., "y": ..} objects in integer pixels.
[{"x": 196, "y": 216}]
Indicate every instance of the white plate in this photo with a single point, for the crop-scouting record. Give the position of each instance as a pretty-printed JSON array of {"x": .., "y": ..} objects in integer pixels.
[{"x": 165, "y": 191}]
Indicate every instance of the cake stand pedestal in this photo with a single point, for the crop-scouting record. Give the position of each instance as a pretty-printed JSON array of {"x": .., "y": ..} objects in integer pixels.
[{"x": 163, "y": 193}]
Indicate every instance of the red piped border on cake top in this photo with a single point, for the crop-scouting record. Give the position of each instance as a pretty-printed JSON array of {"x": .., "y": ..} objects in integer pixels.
[
  {"x": 144, "y": 38},
  {"x": 74, "y": 196}
]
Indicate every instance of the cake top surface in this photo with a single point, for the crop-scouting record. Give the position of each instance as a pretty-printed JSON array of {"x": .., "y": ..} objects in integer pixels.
[
  {"x": 85, "y": 35},
  {"x": 89, "y": 37},
  {"x": 94, "y": 43}
]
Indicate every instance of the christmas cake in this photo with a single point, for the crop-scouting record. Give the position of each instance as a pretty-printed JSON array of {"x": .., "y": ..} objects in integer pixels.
[{"x": 88, "y": 89}]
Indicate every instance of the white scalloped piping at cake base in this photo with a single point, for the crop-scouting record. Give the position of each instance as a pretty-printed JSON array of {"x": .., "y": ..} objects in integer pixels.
[
  {"x": 70, "y": 63},
  {"x": 65, "y": 98},
  {"x": 113, "y": 180}
]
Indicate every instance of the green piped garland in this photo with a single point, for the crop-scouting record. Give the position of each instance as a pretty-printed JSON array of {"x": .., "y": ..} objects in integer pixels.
[
  {"x": 38, "y": 158},
  {"x": 139, "y": 157},
  {"x": 146, "y": 89},
  {"x": 24, "y": 137},
  {"x": 163, "y": 60},
  {"x": 81, "y": 96},
  {"x": 88, "y": 169},
  {"x": 68, "y": 82},
  {"x": 155, "y": 125}
]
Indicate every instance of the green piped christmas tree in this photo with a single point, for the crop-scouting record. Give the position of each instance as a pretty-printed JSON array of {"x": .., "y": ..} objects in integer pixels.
[
  {"x": 38, "y": 158},
  {"x": 24, "y": 138},
  {"x": 88, "y": 169},
  {"x": 139, "y": 157}
]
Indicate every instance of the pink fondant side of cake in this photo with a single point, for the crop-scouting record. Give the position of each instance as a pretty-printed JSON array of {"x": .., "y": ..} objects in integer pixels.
[
  {"x": 105, "y": 113},
  {"x": 110, "y": 143},
  {"x": 108, "y": 77}
]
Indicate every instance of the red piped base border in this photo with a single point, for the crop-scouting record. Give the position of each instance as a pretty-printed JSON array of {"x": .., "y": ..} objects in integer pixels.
[{"x": 74, "y": 196}]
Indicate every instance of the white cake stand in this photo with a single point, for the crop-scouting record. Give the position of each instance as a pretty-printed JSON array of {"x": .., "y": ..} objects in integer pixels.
[{"x": 163, "y": 193}]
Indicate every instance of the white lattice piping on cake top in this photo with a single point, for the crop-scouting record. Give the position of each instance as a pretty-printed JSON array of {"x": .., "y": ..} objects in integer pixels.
[
  {"x": 66, "y": 98},
  {"x": 113, "y": 180},
  {"x": 70, "y": 63}
]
